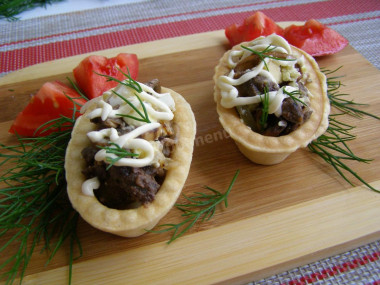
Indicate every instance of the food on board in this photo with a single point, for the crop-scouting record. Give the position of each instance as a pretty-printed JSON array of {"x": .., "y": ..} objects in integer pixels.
[
  {"x": 53, "y": 100},
  {"x": 129, "y": 157},
  {"x": 271, "y": 98},
  {"x": 87, "y": 72},
  {"x": 315, "y": 38},
  {"x": 256, "y": 25}
]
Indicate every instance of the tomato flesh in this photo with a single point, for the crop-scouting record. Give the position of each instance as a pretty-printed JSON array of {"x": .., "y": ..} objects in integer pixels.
[
  {"x": 315, "y": 38},
  {"x": 50, "y": 102},
  {"x": 94, "y": 85},
  {"x": 256, "y": 25}
]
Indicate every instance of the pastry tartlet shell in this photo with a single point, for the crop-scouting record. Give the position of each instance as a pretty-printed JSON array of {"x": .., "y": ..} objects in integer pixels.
[
  {"x": 131, "y": 222},
  {"x": 272, "y": 150}
]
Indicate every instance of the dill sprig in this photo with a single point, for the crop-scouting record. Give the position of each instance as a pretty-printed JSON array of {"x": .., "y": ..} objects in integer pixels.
[
  {"x": 33, "y": 197},
  {"x": 266, "y": 53},
  {"x": 333, "y": 146},
  {"x": 201, "y": 207},
  {"x": 143, "y": 117},
  {"x": 34, "y": 204},
  {"x": 265, "y": 107},
  {"x": 293, "y": 95},
  {"x": 10, "y": 8},
  {"x": 348, "y": 107},
  {"x": 131, "y": 83},
  {"x": 76, "y": 88},
  {"x": 118, "y": 151}
]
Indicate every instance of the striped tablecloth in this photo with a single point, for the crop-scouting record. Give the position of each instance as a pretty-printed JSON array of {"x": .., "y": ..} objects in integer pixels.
[{"x": 27, "y": 42}]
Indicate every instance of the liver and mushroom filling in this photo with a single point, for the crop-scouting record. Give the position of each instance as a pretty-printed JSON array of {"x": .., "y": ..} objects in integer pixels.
[
  {"x": 293, "y": 112},
  {"x": 124, "y": 187}
]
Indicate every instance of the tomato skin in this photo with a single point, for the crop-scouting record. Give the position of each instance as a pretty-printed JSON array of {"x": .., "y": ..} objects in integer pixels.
[
  {"x": 315, "y": 38},
  {"x": 50, "y": 102},
  {"x": 94, "y": 85},
  {"x": 258, "y": 24}
]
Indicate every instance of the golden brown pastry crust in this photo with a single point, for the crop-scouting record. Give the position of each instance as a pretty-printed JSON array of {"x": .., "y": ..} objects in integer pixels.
[
  {"x": 272, "y": 150},
  {"x": 131, "y": 222}
]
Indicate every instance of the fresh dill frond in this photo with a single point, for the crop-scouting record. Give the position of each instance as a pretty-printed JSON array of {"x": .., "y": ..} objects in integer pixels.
[
  {"x": 293, "y": 95},
  {"x": 118, "y": 151},
  {"x": 75, "y": 87},
  {"x": 131, "y": 83},
  {"x": 266, "y": 54},
  {"x": 34, "y": 200},
  {"x": 333, "y": 146},
  {"x": 348, "y": 107},
  {"x": 201, "y": 207},
  {"x": 265, "y": 108},
  {"x": 143, "y": 117},
  {"x": 10, "y": 8}
]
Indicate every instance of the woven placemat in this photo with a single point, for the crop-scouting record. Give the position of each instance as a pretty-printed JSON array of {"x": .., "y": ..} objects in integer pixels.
[
  {"x": 23, "y": 43},
  {"x": 358, "y": 266},
  {"x": 28, "y": 42}
]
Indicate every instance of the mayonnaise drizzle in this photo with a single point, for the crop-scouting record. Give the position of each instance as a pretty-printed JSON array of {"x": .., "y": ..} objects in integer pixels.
[
  {"x": 159, "y": 107},
  {"x": 89, "y": 185},
  {"x": 229, "y": 93},
  {"x": 127, "y": 141}
]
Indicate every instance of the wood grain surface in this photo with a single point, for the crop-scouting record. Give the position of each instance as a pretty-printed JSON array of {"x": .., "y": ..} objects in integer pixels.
[{"x": 278, "y": 216}]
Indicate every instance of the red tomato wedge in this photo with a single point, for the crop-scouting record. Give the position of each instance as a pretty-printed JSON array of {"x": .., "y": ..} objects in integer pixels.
[
  {"x": 50, "y": 102},
  {"x": 315, "y": 38},
  {"x": 254, "y": 26},
  {"x": 94, "y": 85}
]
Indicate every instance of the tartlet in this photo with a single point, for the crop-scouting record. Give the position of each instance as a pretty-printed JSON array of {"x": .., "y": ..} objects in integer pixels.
[
  {"x": 135, "y": 221},
  {"x": 268, "y": 150}
]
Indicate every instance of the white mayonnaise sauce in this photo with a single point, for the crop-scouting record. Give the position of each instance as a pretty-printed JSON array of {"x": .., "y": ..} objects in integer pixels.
[
  {"x": 229, "y": 93},
  {"x": 89, "y": 185},
  {"x": 159, "y": 107},
  {"x": 128, "y": 141}
]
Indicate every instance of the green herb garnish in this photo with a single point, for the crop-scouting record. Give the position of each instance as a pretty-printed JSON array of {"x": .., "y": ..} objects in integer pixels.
[
  {"x": 144, "y": 117},
  {"x": 266, "y": 54},
  {"x": 10, "y": 8},
  {"x": 118, "y": 151},
  {"x": 332, "y": 146},
  {"x": 293, "y": 95},
  {"x": 75, "y": 87},
  {"x": 200, "y": 207},
  {"x": 137, "y": 87},
  {"x": 34, "y": 203},
  {"x": 265, "y": 108},
  {"x": 348, "y": 107},
  {"x": 33, "y": 197},
  {"x": 129, "y": 83}
]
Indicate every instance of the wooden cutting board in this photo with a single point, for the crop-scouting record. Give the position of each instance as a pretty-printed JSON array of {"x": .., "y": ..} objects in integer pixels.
[{"x": 278, "y": 217}]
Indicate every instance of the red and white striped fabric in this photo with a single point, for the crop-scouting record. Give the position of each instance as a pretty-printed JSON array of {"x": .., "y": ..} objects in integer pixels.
[
  {"x": 23, "y": 43},
  {"x": 28, "y": 42}
]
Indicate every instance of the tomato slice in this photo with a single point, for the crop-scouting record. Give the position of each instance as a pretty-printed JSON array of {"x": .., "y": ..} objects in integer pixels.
[
  {"x": 258, "y": 24},
  {"x": 94, "y": 85},
  {"x": 50, "y": 102},
  {"x": 315, "y": 38}
]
